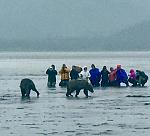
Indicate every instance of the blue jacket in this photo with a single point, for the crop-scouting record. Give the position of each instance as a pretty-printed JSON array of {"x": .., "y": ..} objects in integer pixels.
[
  {"x": 121, "y": 75},
  {"x": 95, "y": 74}
]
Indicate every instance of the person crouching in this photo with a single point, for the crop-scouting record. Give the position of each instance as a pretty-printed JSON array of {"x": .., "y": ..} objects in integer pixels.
[
  {"x": 132, "y": 78},
  {"x": 122, "y": 76},
  {"x": 141, "y": 77}
]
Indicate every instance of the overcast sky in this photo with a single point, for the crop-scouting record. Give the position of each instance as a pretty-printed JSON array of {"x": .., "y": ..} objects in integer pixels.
[{"x": 69, "y": 18}]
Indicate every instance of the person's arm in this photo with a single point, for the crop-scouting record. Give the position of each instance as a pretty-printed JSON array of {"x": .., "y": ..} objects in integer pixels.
[
  {"x": 55, "y": 72},
  {"x": 47, "y": 71},
  {"x": 67, "y": 70},
  {"x": 89, "y": 75},
  {"x": 60, "y": 71}
]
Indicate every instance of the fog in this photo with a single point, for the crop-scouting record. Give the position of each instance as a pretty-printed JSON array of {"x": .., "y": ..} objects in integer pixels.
[
  {"x": 50, "y": 18},
  {"x": 44, "y": 19}
]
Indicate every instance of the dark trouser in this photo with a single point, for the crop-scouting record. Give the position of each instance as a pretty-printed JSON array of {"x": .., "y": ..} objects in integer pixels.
[
  {"x": 132, "y": 81},
  {"x": 63, "y": 82},
  {"x": 126, "y": 82},
  {"x": 113, "y": 83},
  {"x": 142, "y": 82},
  {"x": 104, "y": 83},
  {"x": 95, "y": 83},
  {"x": 123, "y": 81},
  {"x": 51, "y": 84}
]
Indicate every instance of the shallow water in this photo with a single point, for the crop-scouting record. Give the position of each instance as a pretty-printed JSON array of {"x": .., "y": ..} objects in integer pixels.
[{"x": 109, "y": 111}]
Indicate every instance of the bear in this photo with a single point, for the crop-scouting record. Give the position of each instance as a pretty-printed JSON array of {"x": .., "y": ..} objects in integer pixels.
[
  {"x": 26, "y": 86},
  {"x": 78, "y": 85}
]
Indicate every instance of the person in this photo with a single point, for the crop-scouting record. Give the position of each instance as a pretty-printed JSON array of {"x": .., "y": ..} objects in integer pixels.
[
  {"x": 51, "y": 72},
  {"x": 112, "y": 77},
  {"x": 104, "y": 76},
  {"x": 74, "y": 74},
  {"x": 64, "y": 73},
  {"x": 121, "y": 76},
  {"x": 141, "y": 77},
  {"x": 132, "y": 78},
  {"x": 95, "y": 76},
  {"x": 84, "y": 74}
]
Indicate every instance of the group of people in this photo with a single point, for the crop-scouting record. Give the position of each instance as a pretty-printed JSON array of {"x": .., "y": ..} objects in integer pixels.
[{"x": 103, "y": 78}]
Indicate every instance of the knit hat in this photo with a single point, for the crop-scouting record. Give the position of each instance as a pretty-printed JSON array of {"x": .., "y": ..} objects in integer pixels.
[
  {"x": 118, "y": 66},
  {"x": 131, "y": 70}
]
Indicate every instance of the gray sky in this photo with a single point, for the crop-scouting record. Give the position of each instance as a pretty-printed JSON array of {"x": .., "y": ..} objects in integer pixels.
[{"x": 69, "y": 18}]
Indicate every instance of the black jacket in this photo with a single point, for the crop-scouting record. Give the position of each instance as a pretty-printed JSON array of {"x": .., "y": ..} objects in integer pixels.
[
  {"x": 51, "y": 75},
  {"x": 74, "y": 74}
]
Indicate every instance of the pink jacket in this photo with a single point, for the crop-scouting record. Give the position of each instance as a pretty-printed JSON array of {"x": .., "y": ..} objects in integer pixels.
[{"x": 132, "y": 74}]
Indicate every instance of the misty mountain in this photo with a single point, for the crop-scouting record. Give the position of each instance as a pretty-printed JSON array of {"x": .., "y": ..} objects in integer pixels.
[{"x": 135, "y": 37}]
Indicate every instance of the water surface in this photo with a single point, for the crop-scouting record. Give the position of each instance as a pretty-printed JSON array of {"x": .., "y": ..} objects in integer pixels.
[{"x": 109, "y": 112}]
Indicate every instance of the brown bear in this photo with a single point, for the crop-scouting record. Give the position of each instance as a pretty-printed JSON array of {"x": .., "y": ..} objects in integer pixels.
[
  {"x": 26, "y": 86},
  {"x": 78, "y": 85}
]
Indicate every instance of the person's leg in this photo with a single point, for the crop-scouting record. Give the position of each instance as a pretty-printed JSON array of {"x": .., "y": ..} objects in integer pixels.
[
  {"x": 143, "y": 82},
  {"x": 130, "y": 80},
  {"x": 102, "y": 83},
  {"x": 66, "y": 82},
  {"x": 114, "y": 83},
  {"x": 134, "y": 82},
  {"x": 97, "y": 84},
  {"x": 118, "y": 83},
  {"x": 140, "y": 80},
  {"x": 126, "y": 82},
  {"x": 62, "y": 83},
  {"x": 92, "y": 82},
  {"x": 53, "y": 84},
  {"x": 110, "y": 83},
  {"x": 49, "y": 84},
  {"x": 107, "y": 84}
]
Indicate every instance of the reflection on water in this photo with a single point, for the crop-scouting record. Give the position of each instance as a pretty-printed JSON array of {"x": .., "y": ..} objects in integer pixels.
[{"x": 109, "y": 111}]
